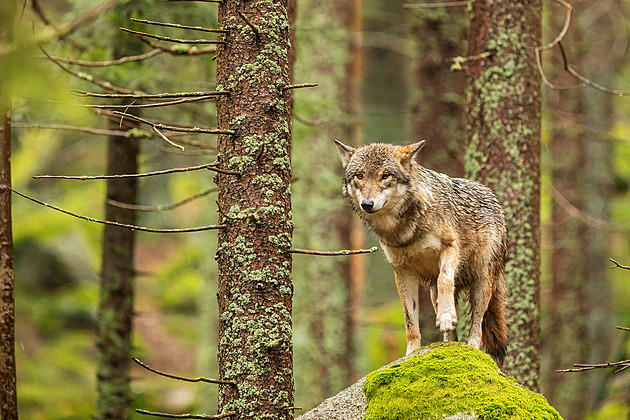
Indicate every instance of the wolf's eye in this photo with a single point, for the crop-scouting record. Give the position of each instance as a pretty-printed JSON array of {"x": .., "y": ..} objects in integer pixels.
[
  {"x": 359, "y": 176},
  {"x": 385, "y": 176}
]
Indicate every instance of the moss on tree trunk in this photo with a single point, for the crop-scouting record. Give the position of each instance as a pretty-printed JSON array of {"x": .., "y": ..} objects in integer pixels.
[
  {"x": 504, "y": 153},
  {"x": 255, "y": 289}
]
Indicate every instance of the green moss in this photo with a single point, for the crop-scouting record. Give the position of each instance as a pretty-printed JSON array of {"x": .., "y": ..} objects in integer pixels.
[{"x": 451, "y": 378}]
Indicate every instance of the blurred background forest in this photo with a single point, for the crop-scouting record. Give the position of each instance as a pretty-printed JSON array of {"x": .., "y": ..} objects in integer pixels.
[{"x": 383, "y": 70}]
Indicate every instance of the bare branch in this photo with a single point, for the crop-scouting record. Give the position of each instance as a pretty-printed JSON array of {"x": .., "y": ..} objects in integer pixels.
[
  {"x": 151, "y": 96},
  {"x": 155, "y": 105},
  {"x": 173, "y": 127},
  {"x": 137, "y": 207},
  {"x": 203, "y": 1},
  {"x": 334, "y": 253},
  {"x": 434, "y": 5},
  {"x": 249, "y": 23},
  {"x": 87, "y": 77},
  {"x": 184, "y": 416},
  {"x": 210, "y": 166},
  {"x": 623, "y": 328},
  {"x": 166, "y": 139},
  {"x": 180, "y": 50},
  {"x": 582, "y": 367},
  {"x": 107, "y": 222},
  {"x": 176, "y": 25},
  {"x": 302, "y": 85},
  {"x": 617, "y": 265},
  {"x": 169, "y": 39},
  {"x": 90, "y": 130},
  {"x": 181, "y": 378},
  {"x": 121, "y": 60}
]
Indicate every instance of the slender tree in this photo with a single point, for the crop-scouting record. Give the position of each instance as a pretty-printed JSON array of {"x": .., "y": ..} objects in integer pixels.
[
  {"x": 504, "y": 152},
  {"x": 8, "y": 374},
  {"x": 255, "y": 288}
]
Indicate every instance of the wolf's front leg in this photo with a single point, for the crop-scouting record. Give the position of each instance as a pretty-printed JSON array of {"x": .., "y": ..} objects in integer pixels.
[
  {"x": 446, "y": 313},
  {"x": 408, "y": 291}
]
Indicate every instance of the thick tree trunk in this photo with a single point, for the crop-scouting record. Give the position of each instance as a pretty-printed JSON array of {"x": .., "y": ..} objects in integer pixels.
[
  {"x": 255, "y": 289},
  {"x": 504, "y": 152},
  {"x": 115, "y": 317}
]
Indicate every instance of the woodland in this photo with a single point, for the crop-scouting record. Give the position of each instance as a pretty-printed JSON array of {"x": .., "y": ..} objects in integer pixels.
[{"x": 174, "y": 240}]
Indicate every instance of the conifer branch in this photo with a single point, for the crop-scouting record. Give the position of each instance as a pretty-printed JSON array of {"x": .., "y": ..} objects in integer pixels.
[
  {"x": 169, "y": 39},
  {"x": 176, "y": 25},
  {"x": 127, "y": 59},
  {"x": 181, "y": 378},
  {"x": 333, "y": 253},
  {"x": 174, "y": 127},
  {"x": 211, "y": 166},
  {"x": 150, "y": 96},
  {"x": 107, "y": 222},
  {"x": 301, "y": 85},
  {"x": 249, "y": 23},
  {"x": 194, "y": 50},
  {"x": 625, "y": 267},
  {"x": 137, "y": 207},
  {"x": 183, "y": 416},
  {"x": 155, "y": 105},
  {"x": 166, "y": 139},
  {"x": 434, "y": 5}
]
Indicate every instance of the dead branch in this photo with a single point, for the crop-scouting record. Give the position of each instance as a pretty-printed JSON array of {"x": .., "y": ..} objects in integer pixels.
[
  {"x": 333, "y": 253},
  {"x": 87, "y": 77},
  {"x": 169, "y": 39},
  {"x": 154, "y": 105},
  {"x": 211, "y": 166},
  {"x": 90, "y": 130},
  {"x": 249, "y": 23},
  {"x": 181, "y": 378},
  {"x": 194, "y": 50},
  {"x": 181, "y": 129},
  {"x": 301, "y": 85},
  {"x": 150, "y": 96},
  {"x": 434, "y": 5},
  {"x": 107, "y": 222},
  {"x": 567, "y": 67},
  {"x": 166, "y": 139},
  {"x": 582, "y": 367},
  {"x": 116, "y": 62},
  {"x": 625, "y": 267},
  {"x": 176, "y": 25},
  {"x": 203, "y": 1},
  {"x": 184, "y": 416},
  {"x": 137, "y": 207}
]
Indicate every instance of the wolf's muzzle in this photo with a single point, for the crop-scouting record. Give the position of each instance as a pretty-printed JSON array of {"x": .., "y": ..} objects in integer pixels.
[{"x": 367, "y": 205}]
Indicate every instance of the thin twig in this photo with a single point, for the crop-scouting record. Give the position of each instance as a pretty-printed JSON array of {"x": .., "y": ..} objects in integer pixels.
[
  {"x": 623, "y": 328},
  {"x": 107, "y": 222},
  {"x": 333, "y": 253},
  {"x": 173, "y": 127},
  {"x": 183, "y": 416},
  {"x": 203, "y": 1},
  {"x": 458, "y": 61},
  {"x": 176, "y": 25},
  {"x": 138, "y": 207},
  {"x": 582, "y": 367},
  {"x": 192, "y": 50},
  {"x": 211, "y": 166},
  {"x": 249, "y": 23},
  {"x": 301, "y": 85},
  {"x": 154, "y": 105},
  {"x": 117, "y": 62},
  {"x": 166, "y": 139},
  {"x": 90, "y": 130},
  {"x": 625, "y": 267},
  {"x": 181, "y": 378},
  {"x": 169, "y": 39},
  {"x": 150, "y": 96},
  {"x": 434, "y": 5}
]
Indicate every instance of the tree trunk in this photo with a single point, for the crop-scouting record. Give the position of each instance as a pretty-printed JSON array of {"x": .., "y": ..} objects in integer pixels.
[
  {"x": 8, "y": 377},
  {"x": 255, "y": 289},
  {"x": 504, "y": 153},
  {"x": 8, "y": 373},
  {"x": 116, "y": 290}
]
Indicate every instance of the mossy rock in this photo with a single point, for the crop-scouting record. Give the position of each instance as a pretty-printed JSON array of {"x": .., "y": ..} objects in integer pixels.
[{"x": 450, "y": 380}]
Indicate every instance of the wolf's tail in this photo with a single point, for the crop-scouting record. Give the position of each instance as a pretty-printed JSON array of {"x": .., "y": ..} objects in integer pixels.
[{"x": 494, "y": 328}]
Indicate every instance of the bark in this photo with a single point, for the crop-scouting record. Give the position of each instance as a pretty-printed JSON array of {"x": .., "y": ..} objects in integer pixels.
[
  {"x": 504, "y": 153},
  {"x": 8, "y": 372},
  {"x": 8, "y": 376},
  {"x": 255, "y": 288},
  {"x": 115, "y": 316}
]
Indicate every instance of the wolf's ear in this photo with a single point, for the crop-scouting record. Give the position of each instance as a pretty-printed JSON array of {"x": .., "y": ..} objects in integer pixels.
[
  {"x": 345, "y": 152},
  {"x": 411, "y": 151}
]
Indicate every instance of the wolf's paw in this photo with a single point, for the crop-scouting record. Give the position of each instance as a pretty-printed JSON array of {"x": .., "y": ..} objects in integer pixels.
[{"x": 446, "y": 320}]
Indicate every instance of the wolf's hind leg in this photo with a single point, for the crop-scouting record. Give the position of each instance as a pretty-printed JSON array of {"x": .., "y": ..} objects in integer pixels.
[
  {"x": 408, "y": 288},
  {"x": 480, "y": 294}
]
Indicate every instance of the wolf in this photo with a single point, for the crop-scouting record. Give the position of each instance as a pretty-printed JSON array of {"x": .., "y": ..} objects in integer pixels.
[{"x": 445, "y": 234}]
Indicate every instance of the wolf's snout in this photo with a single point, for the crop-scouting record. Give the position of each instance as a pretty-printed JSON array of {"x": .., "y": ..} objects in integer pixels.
[{"x": 367, "y": 205}]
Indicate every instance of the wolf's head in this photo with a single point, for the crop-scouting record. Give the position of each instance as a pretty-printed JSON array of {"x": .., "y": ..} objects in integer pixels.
[{"x": 377, "y": 175}]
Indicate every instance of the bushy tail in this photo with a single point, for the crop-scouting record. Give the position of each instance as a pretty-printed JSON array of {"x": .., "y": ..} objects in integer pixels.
[{"x": 494, "y": 328}]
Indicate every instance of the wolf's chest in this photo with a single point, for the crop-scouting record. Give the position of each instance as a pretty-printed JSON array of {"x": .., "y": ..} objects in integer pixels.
[{"x": 420, "y": 258}]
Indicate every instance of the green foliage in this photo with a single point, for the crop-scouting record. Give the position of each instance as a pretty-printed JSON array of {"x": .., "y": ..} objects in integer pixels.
[{"x": 449, "y": 379}]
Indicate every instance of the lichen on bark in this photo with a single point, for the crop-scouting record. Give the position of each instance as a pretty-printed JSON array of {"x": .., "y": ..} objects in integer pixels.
[{"x": 255, "y": 288}]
